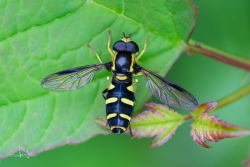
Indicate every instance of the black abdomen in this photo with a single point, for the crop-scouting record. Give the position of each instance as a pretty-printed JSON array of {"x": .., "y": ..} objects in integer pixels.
[{"x": 120, "y": 104}]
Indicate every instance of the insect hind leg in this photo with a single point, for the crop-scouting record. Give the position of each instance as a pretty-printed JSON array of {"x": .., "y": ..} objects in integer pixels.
[
  {"x": 95, "y": 52},
  {"x": 144, "y": 49},
  {"x": 103, "y": 93}
]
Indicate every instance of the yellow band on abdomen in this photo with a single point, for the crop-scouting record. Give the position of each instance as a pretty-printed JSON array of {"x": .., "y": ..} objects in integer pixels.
[
  {"x": 120, "y": 127},
  {"x": 111, "y": 86},
  {"x": 111, "y": 100},
  {"x": 125, "y": 116},
  {"x": 121, "y": 77},
  {"x": 127, "y": 101},
  {"x": 112, "y": 115},
  {"x": 130, "y": 88}
]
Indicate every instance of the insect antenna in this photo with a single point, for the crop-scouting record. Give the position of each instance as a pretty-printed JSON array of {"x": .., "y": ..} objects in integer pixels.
[{"x": 124, "y": 35}]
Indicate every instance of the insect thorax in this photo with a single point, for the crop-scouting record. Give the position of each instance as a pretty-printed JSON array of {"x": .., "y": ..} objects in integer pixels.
[
  {"x": 124, "y": 58},
  {"x": 123, "y": 63}
]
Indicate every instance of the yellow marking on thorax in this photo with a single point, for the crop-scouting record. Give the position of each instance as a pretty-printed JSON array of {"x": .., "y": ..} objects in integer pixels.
[
  {"x": 111, "y": 86},
  {"x": 124, "y": 39},
  {"x": 127, "y": 101},
  {"x": 113, "y": 62},
  {"x": 111, "y": 100},
  {"x": 112, "y": 115},
  {"x": 120, "y": 127},
  {"x": 121, "y": 77},
  {"x": 131, "y": 69},
  {"x": 130, "y": 88},
  {"x": 125, "y": 116}
]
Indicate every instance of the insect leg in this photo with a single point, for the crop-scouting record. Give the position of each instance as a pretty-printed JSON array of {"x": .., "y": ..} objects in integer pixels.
[
  {"x": 130, "y": 131},
  {"x": 98, "y": 57},
  {"x": 110, "y": 51},
  {"x": 144, "y": 49},
  {"x": 138, "y": 74},
  {"x": 105, "y": 91}
]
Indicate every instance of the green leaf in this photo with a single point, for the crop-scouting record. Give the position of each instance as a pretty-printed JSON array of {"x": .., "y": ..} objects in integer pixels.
[
  {"x": 38, "y": 38},
  {"x": 208, "y": 127}
]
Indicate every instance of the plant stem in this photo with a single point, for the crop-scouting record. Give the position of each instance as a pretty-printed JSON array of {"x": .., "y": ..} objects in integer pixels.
[
  {"x": 233, "y": 97},
  {"x": 237, "y": 61},
  {"x": 228, "y": 99}
]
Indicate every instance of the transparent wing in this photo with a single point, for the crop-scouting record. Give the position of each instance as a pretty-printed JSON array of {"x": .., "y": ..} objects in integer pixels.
[
  {"x": 71, "y": 79},
  {"x": 168, "y": 92}
]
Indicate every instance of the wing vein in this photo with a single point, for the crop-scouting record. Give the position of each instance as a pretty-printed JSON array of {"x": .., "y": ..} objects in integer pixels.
[{"x": 168, "y": 92}]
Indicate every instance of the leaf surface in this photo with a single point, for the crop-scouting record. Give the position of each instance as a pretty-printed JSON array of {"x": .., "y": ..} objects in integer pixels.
[{"x": 38, "y": 38}]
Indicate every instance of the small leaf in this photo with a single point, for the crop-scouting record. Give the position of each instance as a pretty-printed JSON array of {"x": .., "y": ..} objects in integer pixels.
[
  {"x": 160, "y": 121},
  {"x": 208, "y": 127},
  {"x": 102, "y": 122},
  {"x": 203, "y": 108}
]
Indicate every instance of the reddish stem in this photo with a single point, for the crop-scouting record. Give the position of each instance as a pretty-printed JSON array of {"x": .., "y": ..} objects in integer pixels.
[{"x": 237, "y": 61}]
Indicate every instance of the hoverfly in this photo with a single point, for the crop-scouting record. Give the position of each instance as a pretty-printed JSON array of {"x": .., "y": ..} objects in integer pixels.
[{"x": 119, "y": 96}]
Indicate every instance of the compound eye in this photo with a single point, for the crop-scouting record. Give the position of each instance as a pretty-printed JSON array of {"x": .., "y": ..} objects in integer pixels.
[
  {"x": 132, "y": 47},
  {"x": 119, "y": 46}
]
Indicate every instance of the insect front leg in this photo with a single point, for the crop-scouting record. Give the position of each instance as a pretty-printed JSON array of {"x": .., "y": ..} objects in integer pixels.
[
  {"x": 95, "y": 52},
  {"x": 144, "y": 49}
]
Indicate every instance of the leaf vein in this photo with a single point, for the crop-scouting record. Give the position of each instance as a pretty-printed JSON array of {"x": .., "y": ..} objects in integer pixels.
[
  {"x": 48, "y": 125},
  {"x": 16, "y": 129},
  {"x": 46, "y": 23}
]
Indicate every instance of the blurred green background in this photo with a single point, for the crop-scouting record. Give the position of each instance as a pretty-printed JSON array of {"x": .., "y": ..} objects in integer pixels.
[{"x": 222, "y": 24}]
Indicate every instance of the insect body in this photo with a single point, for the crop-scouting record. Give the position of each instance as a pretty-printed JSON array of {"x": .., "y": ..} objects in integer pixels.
[{"x": 120, "y": 99}]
